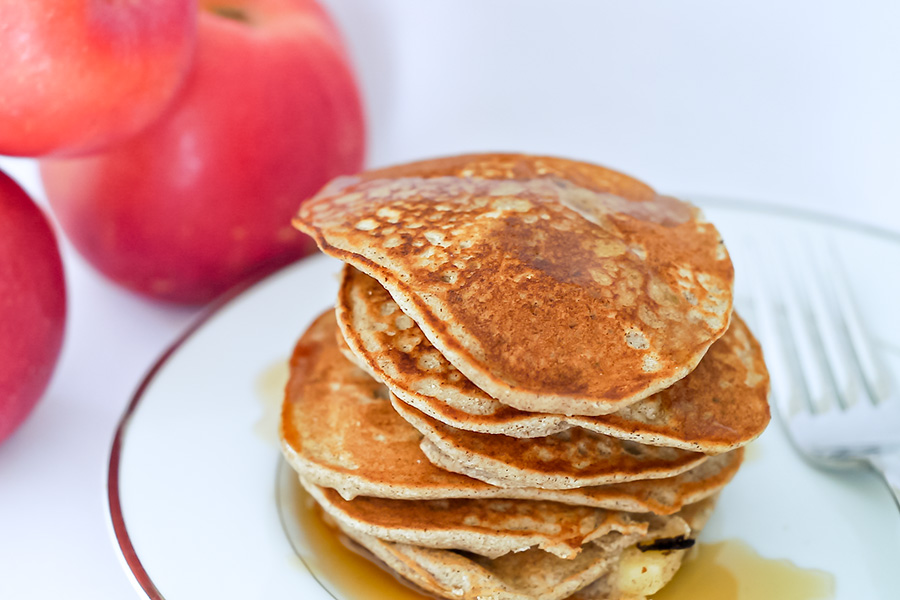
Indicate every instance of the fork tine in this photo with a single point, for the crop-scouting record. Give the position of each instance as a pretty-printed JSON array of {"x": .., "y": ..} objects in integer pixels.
[
  {"x": 837, "y": 342},
  {"x": 874, "y": 375},
  {"x": 814, "y": 347},
  {"x": 803, "y": 336},
  {"x": 790, "y": 393}
]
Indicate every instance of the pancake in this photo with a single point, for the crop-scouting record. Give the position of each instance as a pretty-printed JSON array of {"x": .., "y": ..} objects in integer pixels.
[
  {"x": 721, "y": 405},
  {"x": 569, "y": 459},
  {"x": 487, "y": 527},
  {"x": 339, "y": 430},
  {"x": 610, "y": 564},
  {"x": 554, "y": 286},
  {"x": 528, "y": 575}
]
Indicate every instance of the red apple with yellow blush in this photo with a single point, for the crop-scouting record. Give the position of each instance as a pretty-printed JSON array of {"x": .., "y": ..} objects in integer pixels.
[
  {"x": 79, "y": 75},
  {"x": 32, "y": 304},
  {"x": 204, "y": 198}
]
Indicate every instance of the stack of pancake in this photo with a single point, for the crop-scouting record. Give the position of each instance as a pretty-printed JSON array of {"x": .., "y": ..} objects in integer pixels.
[{"x": 532, "y": 385}]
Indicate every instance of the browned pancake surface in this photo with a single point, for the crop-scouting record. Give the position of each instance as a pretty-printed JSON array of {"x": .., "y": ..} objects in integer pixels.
[
  {"x": 553, "y": 285},
  {"x": 485, "y": 526},
  {"x": 339, "y": 430},
  {"x": 721, "y": 405},
  {"x": 536, "y": 575},
  {"x": 569, "y": 459}
]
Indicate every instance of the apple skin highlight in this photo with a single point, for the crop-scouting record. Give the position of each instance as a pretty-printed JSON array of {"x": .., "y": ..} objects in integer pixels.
[
  {"x": 203, "y": 199},
  {"x": 81, "y": 75}
]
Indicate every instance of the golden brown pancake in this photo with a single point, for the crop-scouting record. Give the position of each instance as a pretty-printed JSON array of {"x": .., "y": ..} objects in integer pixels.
[
  {"x": 569, "y": 459},
  {"x": 721, "y": 405},
  {"x": 488, "y": 527},
  {"x": 529, "y": 575},
  {"x": 553, "y": 285},
  {"x": 339, "y": 430},
  {"x": 608, "y": 564}
]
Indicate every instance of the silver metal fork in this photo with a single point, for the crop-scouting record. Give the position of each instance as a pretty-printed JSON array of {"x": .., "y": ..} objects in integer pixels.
[{"x": 831, "y": 389}]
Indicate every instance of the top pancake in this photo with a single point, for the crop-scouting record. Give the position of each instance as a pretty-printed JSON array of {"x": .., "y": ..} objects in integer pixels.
[
  {"x": 553, "y": 285},
  {"x": 339, "y": 430},
  {"x": 721, "y": 405}
]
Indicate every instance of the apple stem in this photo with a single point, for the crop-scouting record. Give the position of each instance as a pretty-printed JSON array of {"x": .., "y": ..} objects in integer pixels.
[{"x": 230, "y": 12}]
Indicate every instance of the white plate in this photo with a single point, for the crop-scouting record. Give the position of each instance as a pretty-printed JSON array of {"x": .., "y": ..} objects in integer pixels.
[{"x": 193, "y": 468}]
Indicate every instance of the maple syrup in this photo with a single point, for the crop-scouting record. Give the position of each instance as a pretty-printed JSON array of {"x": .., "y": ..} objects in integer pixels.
[
  {"x": 732, "y": 570},
  {"x": 729, "y": 570},
  {"x": 344, "y": 572},
  {"x": 269, "y": 387},
  {"x": 752, "y": 452}
]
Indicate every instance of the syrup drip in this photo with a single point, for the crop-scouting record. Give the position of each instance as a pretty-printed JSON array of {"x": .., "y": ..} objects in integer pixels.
[
  {"x": 752, "y": 452},
  {"x": 729, "y": 570},
  {"x": 269, "y": 387},
  {"x": 732, "y": 570},
  {"x": 343, "y": 572}
]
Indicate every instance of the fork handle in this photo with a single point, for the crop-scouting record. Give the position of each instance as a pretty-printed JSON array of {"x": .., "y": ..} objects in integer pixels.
[{"x": 888, "y": 465}]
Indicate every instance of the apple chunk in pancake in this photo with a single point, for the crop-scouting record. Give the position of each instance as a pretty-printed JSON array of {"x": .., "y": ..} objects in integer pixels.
[{"x": 600, "y": 570}]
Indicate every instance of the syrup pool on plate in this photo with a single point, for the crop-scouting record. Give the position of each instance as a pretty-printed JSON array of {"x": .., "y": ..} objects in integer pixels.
[
  {"x": 343, "y": 572},
  {"x": 729, "y": 570},
  {"x": 732, "y": 570},
  {"x": 270, "y": 393}
]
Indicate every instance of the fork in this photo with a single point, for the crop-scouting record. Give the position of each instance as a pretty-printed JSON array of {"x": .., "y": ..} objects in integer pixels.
[{"x": 831, "y": 389}]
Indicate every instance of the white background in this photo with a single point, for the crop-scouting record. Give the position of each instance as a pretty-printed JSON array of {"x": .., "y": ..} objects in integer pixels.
[{"x": 788, "y": 103}]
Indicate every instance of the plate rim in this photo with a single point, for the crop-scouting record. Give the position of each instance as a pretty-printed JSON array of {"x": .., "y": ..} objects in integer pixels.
[
  {"x": 794, "y": 212},
  {"x": 116, "y": 521},
  {"x": 131, "y": 562}
]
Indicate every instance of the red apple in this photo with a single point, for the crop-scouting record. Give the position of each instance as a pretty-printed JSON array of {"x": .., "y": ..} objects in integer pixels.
[
  {"x": 204, "y": 198},
  {"x": 78, "y": 75},
  {"x": 32, "y": 304}
]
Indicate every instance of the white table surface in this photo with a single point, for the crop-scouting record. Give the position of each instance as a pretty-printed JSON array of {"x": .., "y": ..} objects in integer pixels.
[{"x": 786, "y": 103}]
